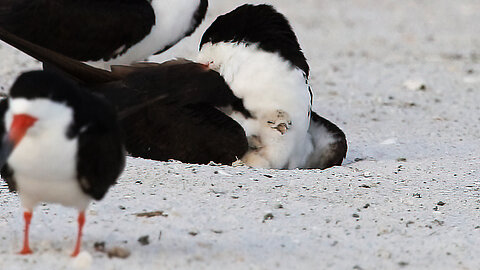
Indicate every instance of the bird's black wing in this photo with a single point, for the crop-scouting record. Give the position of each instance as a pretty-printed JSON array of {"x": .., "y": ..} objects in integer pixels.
[
  {"x": 6, "y": 171},
  {"x": 170, "y": 111},
  {"x": 81, "y": 29},
  {"x": 194, "y": 133},
  {"x": 101, "y": 156},
  {"x": 3, "y": 110},
  {"x": 184, "y": 82}
]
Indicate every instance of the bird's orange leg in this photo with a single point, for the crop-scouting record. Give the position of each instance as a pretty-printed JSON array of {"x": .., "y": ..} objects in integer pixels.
[
  {"x": 27, "y": 215},
  {"x": 81, "y": 222}
]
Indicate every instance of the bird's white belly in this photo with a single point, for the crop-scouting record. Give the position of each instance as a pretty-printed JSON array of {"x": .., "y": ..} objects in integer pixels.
[
  {"x": 45, "y": 171},
  {"x": 275, "y": 93}
]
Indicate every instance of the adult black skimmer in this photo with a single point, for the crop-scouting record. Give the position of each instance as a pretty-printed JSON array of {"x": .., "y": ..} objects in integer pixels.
[
  {"x": 103, "y": 32},
  {"x": 255, "y": 49},
  {"x": 61, "y": 144},
  {"x": 168, "y": 111}
]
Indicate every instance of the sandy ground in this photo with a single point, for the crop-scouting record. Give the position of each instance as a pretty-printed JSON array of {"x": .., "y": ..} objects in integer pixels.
[{"x": 401, "y": 78}]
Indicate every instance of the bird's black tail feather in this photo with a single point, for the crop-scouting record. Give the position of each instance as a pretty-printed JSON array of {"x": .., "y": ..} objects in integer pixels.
[{"x": 82, "y": 72}]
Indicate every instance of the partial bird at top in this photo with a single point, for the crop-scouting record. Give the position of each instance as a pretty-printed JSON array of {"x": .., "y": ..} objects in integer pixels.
[{"x": 103, "y": 32}]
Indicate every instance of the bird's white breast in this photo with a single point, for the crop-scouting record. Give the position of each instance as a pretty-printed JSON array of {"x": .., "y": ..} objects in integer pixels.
[{"x": 267, "y": 84}]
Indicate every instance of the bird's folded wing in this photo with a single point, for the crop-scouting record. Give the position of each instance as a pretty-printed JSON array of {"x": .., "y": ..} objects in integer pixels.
[
  {"x": 101, "y": 156},
  {"x": 84, "y": 30},
  {"x": 196, "y": 133}
]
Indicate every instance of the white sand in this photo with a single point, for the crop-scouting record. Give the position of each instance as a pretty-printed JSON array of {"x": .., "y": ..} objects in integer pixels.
[{"x": 376, "y": 213}]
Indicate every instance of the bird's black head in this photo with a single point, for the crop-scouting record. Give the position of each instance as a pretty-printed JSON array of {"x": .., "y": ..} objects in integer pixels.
[
  {"x": 42, "y": 101},
  {"x": 37, "y": 100},
  {"x": 261, "y": 25},
  {"x": 42, "y": 84}
]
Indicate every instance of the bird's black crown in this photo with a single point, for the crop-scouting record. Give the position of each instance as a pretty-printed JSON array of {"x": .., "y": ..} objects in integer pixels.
[
  {"x": 261, "y": 25},
  {"x": 43, "y": 84}
]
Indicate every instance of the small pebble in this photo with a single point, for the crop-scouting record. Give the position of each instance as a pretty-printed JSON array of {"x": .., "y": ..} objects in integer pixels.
[
  {"x": 144, "y": 240},
  {"x": 118, "y": 252},
  {"x": 152, "y": 214},
  {"x": 415, "y": 85},
  {"x": 99, "y": 246},
  {"x": 268, "y": 216}
]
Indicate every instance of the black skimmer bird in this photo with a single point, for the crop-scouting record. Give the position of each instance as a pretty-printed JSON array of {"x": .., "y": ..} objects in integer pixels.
[
  {"x": 61, "y": 144},
  {"x": 256, "y": 51},
  {"x": 103, "y": 32}
]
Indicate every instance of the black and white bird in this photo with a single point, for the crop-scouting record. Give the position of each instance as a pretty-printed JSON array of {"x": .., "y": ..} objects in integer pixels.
[
  {"x": 103, "y": 32},
  {"x": 167, "y": 111},
  {"x": 256, "y": 51},
  {"x": 61, "y": 144}
]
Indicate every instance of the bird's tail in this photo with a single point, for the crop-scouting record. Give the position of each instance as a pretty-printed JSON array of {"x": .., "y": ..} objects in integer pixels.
[
  {"x": 329, "y": 143},
  {"x": 76, "y": 69}
]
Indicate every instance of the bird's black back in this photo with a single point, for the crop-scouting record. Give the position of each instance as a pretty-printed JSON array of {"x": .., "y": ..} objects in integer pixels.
[{"x": 261, "y": 25}]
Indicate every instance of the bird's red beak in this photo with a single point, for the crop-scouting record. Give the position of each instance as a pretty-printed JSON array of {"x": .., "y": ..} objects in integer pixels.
[{"x": 20, "y": 124}]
